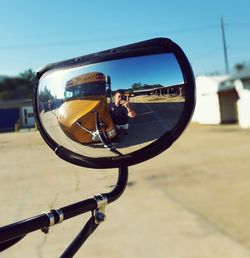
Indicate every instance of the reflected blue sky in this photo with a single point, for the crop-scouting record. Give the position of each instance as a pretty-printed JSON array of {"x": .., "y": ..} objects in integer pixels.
[{"x": 153, "y": 69}]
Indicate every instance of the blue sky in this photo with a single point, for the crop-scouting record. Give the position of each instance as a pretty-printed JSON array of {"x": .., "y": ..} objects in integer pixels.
[
  {"x": 156, "y": 69},
  {"x": 34, "y": 33}
]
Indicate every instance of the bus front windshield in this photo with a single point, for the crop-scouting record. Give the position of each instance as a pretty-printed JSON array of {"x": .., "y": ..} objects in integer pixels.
[{"x": 86, "y": 89}]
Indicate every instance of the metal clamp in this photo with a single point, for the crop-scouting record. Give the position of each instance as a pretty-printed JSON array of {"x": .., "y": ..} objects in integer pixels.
[
  {"x": 52, "y": 219},
  {"x": 60, "y": 214},
  {"x": 99, "y": 212}
]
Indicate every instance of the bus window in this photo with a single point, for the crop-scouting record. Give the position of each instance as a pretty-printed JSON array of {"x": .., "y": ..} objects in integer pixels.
[
  {"x": 68, "y": 94},
  {"x": 90, "y": 89},
  {"x": 89, "y": 84}
]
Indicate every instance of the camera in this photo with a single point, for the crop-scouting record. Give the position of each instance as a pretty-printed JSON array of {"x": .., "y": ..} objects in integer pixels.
[{"x": 123, "y": 97}]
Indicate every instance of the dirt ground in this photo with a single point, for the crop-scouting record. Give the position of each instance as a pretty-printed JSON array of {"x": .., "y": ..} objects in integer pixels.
[{"x": 191, "y": 201}]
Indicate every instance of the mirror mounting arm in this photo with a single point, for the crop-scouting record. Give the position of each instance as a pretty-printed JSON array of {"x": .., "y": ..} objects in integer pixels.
[
  {"x": 98, "y": 215},
  {"x": 120, "y": 185},
  {"x": 11, "y": 234},
  {"x": 99, "y": 212}
]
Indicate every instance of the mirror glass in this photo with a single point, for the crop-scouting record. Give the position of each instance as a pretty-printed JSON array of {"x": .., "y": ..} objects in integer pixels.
[{"x": 114, "y": 107}]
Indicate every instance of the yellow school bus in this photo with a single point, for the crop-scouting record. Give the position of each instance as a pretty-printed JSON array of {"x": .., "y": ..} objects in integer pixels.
[{"x": 85, "y": 99}]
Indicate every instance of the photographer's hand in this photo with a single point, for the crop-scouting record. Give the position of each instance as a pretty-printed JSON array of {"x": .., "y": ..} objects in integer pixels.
[
  {"x": 131, "y": 112},
  {"x": 127, "y": 105}
]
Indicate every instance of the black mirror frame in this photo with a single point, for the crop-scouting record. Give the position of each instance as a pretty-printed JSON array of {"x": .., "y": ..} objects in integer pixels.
[{"x": 153, "y": 46}]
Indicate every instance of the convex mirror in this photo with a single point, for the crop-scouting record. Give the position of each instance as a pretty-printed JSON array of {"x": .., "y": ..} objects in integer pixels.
[{"x": 116, "y": 107}]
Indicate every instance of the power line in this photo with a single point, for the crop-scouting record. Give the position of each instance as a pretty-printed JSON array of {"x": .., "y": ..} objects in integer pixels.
[
  {"x": 81, "y": 41},
  {"x": 239, "y": 24}
]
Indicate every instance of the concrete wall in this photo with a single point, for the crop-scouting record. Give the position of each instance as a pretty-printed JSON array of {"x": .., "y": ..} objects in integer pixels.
[
  {"x": 207, "y": 110},
  {"x": 215, "y": 105},
  {"x": 8, "y": 118},
  {"x": 243, "y": 104}
]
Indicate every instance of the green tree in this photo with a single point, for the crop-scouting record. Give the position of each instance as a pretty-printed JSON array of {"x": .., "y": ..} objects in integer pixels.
[
  {"x": 28, "y": 75},
  {"x": 18, "y": 87},
  {"x": 239, "y": 67},
  {"x": 46, "y": 95},
  {"x": 137, "y": 86}
]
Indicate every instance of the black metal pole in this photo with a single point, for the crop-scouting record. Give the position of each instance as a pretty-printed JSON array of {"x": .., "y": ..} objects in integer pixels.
[
  {"x": 26, "y": 226},
  {"x": 91, "y": 225},
  {"x": 120, "y": 185},
  {"x": 83, "y": 235},
  {"x": 7, "y": 244},
  {"x": 19, "y": 229}
]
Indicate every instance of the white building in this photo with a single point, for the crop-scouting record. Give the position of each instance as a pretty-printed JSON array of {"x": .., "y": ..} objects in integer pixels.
[
  {"x": 242, "y": 85},
  {"x": 223, "y": 99},
  {"x": 18, "y": 112}
]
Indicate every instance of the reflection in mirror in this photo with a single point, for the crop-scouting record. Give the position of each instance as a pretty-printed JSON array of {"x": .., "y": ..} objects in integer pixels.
[{"x": 114, "y": 107}]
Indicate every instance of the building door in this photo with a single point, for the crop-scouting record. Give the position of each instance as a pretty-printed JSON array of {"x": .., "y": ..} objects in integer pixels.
[
  {"x": 28, "y": 117},
  {"x": 228, "y": 106}
]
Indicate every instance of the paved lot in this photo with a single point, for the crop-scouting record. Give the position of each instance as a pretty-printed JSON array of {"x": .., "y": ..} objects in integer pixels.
[
  {"x": 154, "y": 117},
  {"x": 191, "y": 201}
]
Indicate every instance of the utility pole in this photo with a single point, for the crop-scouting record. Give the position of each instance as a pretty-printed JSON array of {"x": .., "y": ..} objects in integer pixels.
[{"x": 224, "y": 46}]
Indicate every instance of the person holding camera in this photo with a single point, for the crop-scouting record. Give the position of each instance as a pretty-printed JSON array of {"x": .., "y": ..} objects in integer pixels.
[{"x": 120, "y": 111}]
